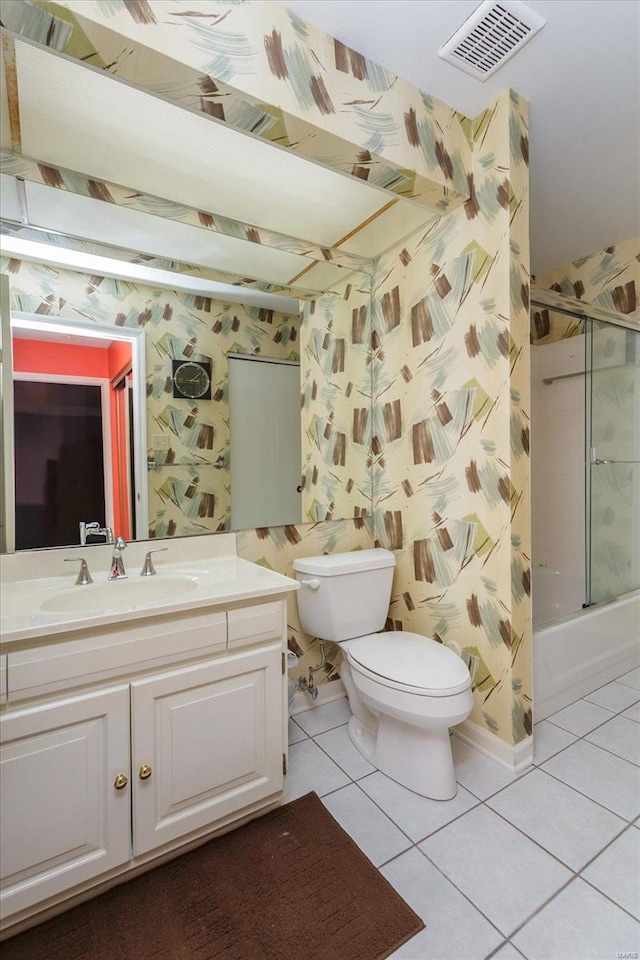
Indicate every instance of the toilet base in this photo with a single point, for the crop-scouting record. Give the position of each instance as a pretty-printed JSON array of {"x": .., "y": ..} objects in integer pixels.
[{"x": 417, "y": 758}]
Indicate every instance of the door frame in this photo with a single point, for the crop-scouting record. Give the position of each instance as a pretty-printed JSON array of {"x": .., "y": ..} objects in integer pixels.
[
  {"x": 107, "y": 473},
  {"x": 136, "y": 340}
]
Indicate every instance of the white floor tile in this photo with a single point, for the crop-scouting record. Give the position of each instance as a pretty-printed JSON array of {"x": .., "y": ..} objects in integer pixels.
[
  {"x": 325, "y": 717},
  {"x": 616, "y": 872},
  {"x": 295, "y": 733},
  {"x": 614, "y": 696},
  {"x": 311, "y": 769},
  {"x": 549, "y": 739},
  {"x": 455, "y": 929},
  {"x": 579, "y": 924},
  {"x": 580, "y": 717},
  {"x": 631, "y": 679},
  {"x": 508, "y": 952},
  {"x": 633, "y": 713},
  {"x": 608, "y": 780},
  {"x": 506, "y": 875},
  {"x": 620, "y": 736},
  {"x": 377, "y": 837},
  {"x": 477, "y": 773},
  {"x": 562, "y": 821},
  {"x": 340, "y": 748},
  {"x": 416, "y": 815}
]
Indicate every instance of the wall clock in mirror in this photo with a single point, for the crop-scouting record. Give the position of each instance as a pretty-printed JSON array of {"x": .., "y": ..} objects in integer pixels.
[{"x": 191, "y": 379}]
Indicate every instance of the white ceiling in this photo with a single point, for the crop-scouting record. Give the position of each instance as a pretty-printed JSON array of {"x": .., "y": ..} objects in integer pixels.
[{"x": 581, "y": 76}]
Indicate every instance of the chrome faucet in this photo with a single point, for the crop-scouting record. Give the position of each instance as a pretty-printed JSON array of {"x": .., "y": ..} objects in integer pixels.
[
  {"x": 148, "y": 570},
  {"x": 84, "y": 577},
  {"x": 94, "y": 530},
  {"x": 116, "y": 571}
]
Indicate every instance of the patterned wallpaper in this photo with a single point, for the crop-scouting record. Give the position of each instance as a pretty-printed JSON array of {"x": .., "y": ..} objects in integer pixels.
[
  {"x": 182, "y": 499},
  {"x": 451, "y": 425},
  {"x": 70, "y": 181},
  {"x": 609, "y": 279},
  {"x": 259, "y": 67},
  {"x": 336, "y": 402},
  {"x": 451, "y": 326}
]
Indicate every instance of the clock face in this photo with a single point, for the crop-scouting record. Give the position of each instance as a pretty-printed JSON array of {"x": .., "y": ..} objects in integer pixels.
[{"x": 192, "y": 379}]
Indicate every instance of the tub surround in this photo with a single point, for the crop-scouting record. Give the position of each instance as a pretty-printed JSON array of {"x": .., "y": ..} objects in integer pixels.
[{"x": 558, "y": 457}]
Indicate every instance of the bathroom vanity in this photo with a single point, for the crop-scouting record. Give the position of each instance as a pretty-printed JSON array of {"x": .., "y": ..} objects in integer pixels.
[{"x": 138, "y": 716}]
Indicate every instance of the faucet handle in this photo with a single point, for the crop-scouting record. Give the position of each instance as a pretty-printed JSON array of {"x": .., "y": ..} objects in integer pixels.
[
  {"x": 148, "y": 569},
  {"x": 84, "y": 576}
]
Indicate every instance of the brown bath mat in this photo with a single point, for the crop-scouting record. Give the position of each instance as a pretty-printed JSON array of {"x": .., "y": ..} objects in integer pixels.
[{"x": 291, "y": 885}]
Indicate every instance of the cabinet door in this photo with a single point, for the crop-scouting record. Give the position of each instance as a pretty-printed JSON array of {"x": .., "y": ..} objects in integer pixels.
[
  {"x": 63, "y": 820},
  {"x": 207, "y": 742}
]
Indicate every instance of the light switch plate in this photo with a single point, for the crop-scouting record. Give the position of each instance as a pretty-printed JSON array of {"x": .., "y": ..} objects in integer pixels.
[{"x": 161, "y": 441}]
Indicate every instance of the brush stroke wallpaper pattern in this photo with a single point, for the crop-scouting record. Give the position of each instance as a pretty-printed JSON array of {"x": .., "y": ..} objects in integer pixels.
[
  {"x": 70, "y": 181},
  {"x": 464, "y": 480},
  {"x": 609, "y": 279},
  {"x": 451, "y": 425},
  {"x": 259, "y": 67},
  {"x": 336, "y": 402},
  {"x": 189, "y": 500},
  {"x": 183, "y": 500}
]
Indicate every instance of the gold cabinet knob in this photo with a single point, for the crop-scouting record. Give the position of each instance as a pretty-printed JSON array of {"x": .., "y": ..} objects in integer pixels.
[
  {"x": 145, "y": 771},
  {"x": 120, "y": 781}
]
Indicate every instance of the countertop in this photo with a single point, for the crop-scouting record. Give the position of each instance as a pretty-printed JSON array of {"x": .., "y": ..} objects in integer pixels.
[{"x": 218, "y": 581}]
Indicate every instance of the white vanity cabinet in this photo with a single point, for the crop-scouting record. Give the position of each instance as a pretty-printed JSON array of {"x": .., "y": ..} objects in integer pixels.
[
  {"x": 124, "y": 745},
  {"x": 62, "y": 821},
  {"x": 206, "y": 741}
]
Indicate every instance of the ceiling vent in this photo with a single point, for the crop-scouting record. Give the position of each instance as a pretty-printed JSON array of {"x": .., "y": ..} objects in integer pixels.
[{"x": 491, "y": 36}]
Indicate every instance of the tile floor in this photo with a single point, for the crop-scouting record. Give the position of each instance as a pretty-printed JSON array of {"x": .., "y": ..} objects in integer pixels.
[{"x": 545, "y": 865}]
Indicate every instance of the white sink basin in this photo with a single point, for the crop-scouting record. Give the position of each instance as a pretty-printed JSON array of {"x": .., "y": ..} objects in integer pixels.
[{"x": 118, "y": 594}]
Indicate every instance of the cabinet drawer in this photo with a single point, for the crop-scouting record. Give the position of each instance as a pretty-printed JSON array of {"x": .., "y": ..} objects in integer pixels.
[
  {"x": 254, "y": 624},
  {"x": 103, "y": 654}
]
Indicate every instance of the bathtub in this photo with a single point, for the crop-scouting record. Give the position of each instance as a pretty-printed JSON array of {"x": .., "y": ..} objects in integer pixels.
[
  {"x": 585, "y": 648},
  {"x": 555, "y": 594}
]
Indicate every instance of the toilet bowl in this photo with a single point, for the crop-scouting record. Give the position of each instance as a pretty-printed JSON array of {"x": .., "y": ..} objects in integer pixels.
[{"x": 405, "y": 690}]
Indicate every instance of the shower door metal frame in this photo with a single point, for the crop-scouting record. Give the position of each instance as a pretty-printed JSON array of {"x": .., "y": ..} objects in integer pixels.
[{"x": 548, "y": 300}]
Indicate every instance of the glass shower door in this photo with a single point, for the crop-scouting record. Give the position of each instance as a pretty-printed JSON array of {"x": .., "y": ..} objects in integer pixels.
[{"x": 613, "y": 469}]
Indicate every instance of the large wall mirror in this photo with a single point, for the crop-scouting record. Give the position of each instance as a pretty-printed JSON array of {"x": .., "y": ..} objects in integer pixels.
[{"x": 243, "y": 265}]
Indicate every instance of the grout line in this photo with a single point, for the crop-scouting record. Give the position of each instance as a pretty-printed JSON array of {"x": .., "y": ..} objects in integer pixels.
[
  {"x": 506, "y": 943},
  {"x": 461, "y": 892},
  {"x": 584, "y": 697},
  {"x": 574, "y": 874},
  {"x": 354, "y": 780},
  {"x": 319, "y": 733},
  {"x": 586, "y": 795},
  {"x": 427, "y": 835},
  {"x": 611, "y": 753},
  {"x": 608, "y": 897}
]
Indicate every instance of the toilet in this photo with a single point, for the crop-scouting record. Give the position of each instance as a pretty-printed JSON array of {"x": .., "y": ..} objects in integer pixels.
[{"x": 405, "y": 690}]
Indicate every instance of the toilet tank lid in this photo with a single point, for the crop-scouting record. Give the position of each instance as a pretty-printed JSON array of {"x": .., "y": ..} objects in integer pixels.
[{"x": 336, "y": 564}]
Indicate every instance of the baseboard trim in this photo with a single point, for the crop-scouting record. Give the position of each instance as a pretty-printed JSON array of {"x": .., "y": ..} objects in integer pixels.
[
  {"x": 326, "y": 693},
  {"x": 515, "y": 758}
]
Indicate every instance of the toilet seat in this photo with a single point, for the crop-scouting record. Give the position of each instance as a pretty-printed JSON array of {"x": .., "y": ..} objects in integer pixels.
[{"x": 408, "y": 662}]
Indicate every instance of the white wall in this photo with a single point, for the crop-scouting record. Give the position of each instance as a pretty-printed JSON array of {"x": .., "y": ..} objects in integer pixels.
[{"x": 558, "y": 456}]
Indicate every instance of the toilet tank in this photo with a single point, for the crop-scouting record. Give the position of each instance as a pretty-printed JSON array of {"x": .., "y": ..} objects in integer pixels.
[{"x": 346, "y": 595}]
